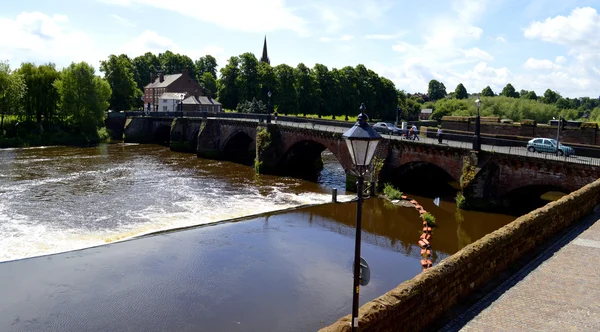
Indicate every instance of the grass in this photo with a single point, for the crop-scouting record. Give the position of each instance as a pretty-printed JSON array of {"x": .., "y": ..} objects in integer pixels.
[
  {"x": 391, "y": 192},
  {"x": 351, "y": 118},
  {"x": 429, "y": 218}
]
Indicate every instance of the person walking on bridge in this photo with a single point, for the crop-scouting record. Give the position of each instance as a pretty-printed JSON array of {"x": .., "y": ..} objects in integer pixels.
[
  {"x": 439, "y": 135},
  {"x": 414, "y": 132}
]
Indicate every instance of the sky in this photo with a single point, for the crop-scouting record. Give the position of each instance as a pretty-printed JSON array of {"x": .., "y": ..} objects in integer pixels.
[{"x": 534, "y": 45}]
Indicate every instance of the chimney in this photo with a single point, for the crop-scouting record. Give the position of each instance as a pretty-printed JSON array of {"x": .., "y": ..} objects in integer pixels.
[
  {"x": 161, "y": 76},
  {"x": 152, "y": 78}
]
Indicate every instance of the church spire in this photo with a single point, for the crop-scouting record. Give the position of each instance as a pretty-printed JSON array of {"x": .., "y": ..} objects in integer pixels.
[{"x": 265, "y": 55}]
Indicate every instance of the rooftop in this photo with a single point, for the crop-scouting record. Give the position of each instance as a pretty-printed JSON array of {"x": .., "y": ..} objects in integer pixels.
[{"x": 168, "y": 79}]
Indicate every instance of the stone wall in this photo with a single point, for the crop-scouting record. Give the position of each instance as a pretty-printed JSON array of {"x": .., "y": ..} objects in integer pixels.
[{"x": 418, "y": 302}]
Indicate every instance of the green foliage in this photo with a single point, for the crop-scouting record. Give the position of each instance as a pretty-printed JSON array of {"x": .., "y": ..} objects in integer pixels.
[
  {"x": 468, "y": 173},
  {"x": 487, "y": 92},
  {"x": 247, "y": 80},
  {"x": 391, "y": 192},
  {"x": 376, "y": 167},
  {"x": 461, "y": 201},
  {"x": 119, "y": 73},
  {"x": 509, "y": 91},
  {"x": 209, "y": 82},
  {"x": 550, "y": 97},
  {"x": 12, "y": 91},
  {"x": 252, "y": 107},
  {"x": 429, "y": 218},
  {"x": 589, "y": 125},
  {"x": 144, "y": 67},
  {"x": 530, "y": 95},
  {"x": 285, "y": 96},
  {"x": 206, "y": 64},
  {"x": 460, "y": 92},
  {"x": 41, "y": 99},
  {"x": 83, "y": 97},
  {"x": 228, "y": 90},
  {"x": 436, "y": 90}
]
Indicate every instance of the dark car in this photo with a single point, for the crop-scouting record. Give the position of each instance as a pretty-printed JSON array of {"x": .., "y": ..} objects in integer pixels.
[{"x": 387, "y": 128}]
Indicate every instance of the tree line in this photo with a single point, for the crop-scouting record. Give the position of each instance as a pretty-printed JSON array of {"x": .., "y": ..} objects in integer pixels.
[
  {"x": 508, "y": 104},
  {"x": 41, "y": 98}
]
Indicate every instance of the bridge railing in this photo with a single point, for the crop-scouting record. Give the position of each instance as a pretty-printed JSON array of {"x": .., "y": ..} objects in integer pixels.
[{"x": 588, "y": 155}]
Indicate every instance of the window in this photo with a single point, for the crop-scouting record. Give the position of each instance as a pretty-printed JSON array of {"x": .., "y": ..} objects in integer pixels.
[
  {"x": 547, "y": 142},
  {"x": 537, "y": 141},
  {"x": 165, "y": 109}
]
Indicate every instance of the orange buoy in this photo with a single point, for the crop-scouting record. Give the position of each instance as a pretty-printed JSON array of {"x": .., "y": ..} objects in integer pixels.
[
  {"x": 426, "y": 263},
  {"x": 425, "y": 224},
  {"x": 418, "y": 207},
  {"x": 423, "y": 243},
  {"x": 413, "y": 201},
  {"x": 403, "y": 196},
  {"x": 427, "y": 229},
  {"x": 425, "y": 236},
  {"x": 422, "y": 211},
  {"x": 425, "y": 252}
]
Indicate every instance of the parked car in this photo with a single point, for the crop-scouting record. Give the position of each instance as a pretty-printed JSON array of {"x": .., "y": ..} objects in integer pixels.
[
  {"x": 549, "y": 145},
  {"x": 387, "y": 128}
]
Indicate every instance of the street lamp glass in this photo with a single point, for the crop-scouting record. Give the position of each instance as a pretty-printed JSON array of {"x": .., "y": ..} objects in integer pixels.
[
  {"x": 478, "y": 102},
  {"x": 269, "y": 94},
  {"x": 362, "y": 141}
]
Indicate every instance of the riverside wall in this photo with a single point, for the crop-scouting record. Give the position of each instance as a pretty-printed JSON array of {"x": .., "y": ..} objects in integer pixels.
[{"x": 417, "y": 303}]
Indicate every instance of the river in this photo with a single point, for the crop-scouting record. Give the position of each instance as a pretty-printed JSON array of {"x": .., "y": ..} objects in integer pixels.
[{"x": 276, "y": 271}]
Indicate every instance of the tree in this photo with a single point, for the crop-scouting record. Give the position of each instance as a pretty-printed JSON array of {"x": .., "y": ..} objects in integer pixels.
[
  {"x": 349, "y": 91},
  {"x": 83, "y": 97},
  {"x": 436, "y": 90},
  {"x": 173, "y": 63},
  {"x": 550, "y": 97},
  {"x": 253, "y": 106},
  {"x": 562, "y": 104},
  {"x": 509, "y": 91},
  {"x": 208, "y": 81},
  {"x": 247, "y": 80},
  {"x": 307, "y": 86},
  {"x": 461, "y": 92},
  {"x": 324, "y": 92},
  {"x": 227, "y": 84},
  {"x": 12, "y": 91},
  {"x": 41, "y": 98},
  {"x": 119, "y": 73},
  {"x": 206, "y": 64},
  {"x": 266, "y": 81},
  {"x": 530, "y": 95},
  {"x": 285, "y": 95},
  {"x": 487, "y": 92},
  {"x": 145, "y": 66}
]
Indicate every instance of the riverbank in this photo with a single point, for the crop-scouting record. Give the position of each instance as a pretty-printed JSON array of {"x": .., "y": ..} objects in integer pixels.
[{"x": 59, "y": 138}]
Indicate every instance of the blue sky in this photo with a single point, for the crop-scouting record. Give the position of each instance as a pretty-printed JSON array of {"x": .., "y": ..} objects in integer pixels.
[{"x": 534, "y": 45}]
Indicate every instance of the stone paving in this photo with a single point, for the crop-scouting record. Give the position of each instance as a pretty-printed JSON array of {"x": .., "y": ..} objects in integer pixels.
[{"x": 559, "y": 290}]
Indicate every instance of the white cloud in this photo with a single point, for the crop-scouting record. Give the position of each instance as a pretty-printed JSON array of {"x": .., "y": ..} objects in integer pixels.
[
  {"x": 123, "y": 21},
  {"x": 478, "y": 53},
  {"x": 532, "y": 63},
  {"x": 32, "y": 36},
  {"x": 385, "y": 37},
  {"x": 249, "y": 16},
  {"x": 149, "y": 41},
  {"x": 342, "y": 38},
  {"x": 578, "y": 33},
  {"x": 501, "y": 39},
  {"x": 578, "y": 30}
]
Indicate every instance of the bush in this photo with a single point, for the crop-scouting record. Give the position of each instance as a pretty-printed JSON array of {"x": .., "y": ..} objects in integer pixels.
[
  {"x": 461, "y": 202},
  {"x": 429, "y": 218},
  {"x": 392, "y": 193}
]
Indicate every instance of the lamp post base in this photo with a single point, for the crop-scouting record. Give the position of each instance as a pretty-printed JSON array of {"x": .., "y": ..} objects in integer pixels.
[{"x": 476, "y": 143}]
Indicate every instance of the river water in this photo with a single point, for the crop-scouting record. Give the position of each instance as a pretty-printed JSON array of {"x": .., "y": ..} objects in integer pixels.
[{"x": 277, "y": 271}]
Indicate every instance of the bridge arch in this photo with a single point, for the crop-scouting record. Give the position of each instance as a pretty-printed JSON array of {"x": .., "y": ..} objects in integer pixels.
[
  {"x": 303, "y": 159},
  {"x": 526, "y": 198},
  {"x": 239, "y": 147},
  {"x": 423, "y": 178},
  {"x": 162, "y": 134}
]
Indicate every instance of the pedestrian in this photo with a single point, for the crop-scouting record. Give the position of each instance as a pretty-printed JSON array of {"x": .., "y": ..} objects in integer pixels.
[
  {"x": 275, "y": 115},
  {"x": 410, "y": 133},
  {"x": 415, "y": 131},
  {"x": 439, "y": 135}
]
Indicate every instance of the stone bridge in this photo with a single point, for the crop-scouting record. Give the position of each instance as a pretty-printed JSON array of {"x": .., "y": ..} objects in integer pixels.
[{"x": 485, "y": 178}]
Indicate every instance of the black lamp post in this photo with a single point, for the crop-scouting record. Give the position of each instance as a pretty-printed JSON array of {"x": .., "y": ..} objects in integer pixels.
[
  {"x": 362, "y": 142},
  {"x": 269, "y": 107},
  {"x": 477, "y": 137}
]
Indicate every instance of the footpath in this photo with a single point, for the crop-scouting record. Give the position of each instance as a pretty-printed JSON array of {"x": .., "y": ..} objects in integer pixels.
[{"x": 559, "y": 290}]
